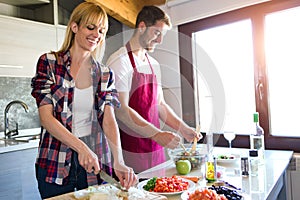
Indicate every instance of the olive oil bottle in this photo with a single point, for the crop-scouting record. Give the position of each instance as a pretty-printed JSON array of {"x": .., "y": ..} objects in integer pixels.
[
  {"x": 257, "y": 140},
  {"x": 210, "y": 169}
]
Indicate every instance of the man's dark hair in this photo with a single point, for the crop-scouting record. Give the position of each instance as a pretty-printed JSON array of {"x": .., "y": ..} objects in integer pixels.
[{"x": 150, "y": 15}]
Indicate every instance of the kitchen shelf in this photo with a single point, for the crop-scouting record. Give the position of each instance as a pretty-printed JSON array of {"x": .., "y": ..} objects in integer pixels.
[
  {"x": 24, "y": 2},
  {"x": 34, "y": 10}
]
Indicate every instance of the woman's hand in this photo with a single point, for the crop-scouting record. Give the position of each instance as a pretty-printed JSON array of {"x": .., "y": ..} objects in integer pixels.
[
  {"x": 88, "y": 160},
  {"x": 126, "y": 175}
]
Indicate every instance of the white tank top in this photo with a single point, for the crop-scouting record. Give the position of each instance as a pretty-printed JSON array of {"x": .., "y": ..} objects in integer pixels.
[{"x": 82, "y": 111}]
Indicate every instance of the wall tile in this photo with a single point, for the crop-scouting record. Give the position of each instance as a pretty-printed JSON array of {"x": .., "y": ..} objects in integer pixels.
[{"x": 18, "y": 88}]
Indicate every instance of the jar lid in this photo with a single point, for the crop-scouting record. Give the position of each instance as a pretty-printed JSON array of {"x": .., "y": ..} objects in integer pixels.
[
  {"x": 253, "y": 153},
  {"x": 256, "y": 117}
]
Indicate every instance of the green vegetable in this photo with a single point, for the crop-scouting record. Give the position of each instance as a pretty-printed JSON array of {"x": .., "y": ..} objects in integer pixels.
[
  {"x": 225, "y": 157},
  {"x": 150, "y": 184}
]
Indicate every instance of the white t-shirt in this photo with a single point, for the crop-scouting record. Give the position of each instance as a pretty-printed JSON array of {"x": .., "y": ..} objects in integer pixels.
[
  {"x": 120, "y": 63},
  {"x": 82, "y": 111}
]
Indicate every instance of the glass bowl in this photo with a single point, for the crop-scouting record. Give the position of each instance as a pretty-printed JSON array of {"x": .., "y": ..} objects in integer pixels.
[{"x": 197, "y": 158}]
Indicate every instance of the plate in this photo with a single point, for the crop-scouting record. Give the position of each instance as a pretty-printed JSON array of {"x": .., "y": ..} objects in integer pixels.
[
  {"x": 185, "y": 195},
  {"x": 190, "y": 187},
  {"x": 229, "y": 159}
]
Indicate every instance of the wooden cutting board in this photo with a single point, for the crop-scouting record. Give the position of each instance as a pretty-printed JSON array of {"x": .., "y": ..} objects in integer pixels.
[{"x": 70, "y": 196}]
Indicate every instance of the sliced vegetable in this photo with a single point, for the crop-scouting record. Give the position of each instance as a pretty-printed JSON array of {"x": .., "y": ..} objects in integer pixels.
[
  {"x": 225, "y": 157},
  {"x": 150, "y": 184},
  {"x": 166, "y": 184}
]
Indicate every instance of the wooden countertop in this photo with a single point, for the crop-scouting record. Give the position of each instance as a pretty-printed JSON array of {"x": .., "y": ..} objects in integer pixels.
[{"x": 70, "y": 196}]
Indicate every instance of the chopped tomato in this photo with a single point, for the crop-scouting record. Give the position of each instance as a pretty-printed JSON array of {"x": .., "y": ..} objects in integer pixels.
[
  {"x": 170, "y": 184},
  {"x": 205, "y": 194}
]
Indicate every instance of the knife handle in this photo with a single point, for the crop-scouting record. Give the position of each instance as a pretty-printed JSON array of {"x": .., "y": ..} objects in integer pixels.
[{"x": 143, "y": 179}]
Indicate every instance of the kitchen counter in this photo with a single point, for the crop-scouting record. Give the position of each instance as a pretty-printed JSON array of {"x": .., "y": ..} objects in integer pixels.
[
  {"x": 20, "y": 144},
  {"x": 268, "y": 185}
]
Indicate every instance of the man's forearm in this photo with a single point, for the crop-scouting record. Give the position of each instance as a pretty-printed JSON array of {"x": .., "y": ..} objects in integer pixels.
[
  {"x": 132, "y": 120},
  {"x": 170, "y": 118}
]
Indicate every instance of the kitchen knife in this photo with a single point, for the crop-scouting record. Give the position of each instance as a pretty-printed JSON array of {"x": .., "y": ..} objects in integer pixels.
[{"x": 104, "y": 176}]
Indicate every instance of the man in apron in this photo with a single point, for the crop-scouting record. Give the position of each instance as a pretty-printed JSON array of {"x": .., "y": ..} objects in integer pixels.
[{"x": 140, "y": 93}]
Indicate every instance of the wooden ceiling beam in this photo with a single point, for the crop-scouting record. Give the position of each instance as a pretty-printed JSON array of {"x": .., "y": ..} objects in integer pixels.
[{"x": 126, "y": 11}]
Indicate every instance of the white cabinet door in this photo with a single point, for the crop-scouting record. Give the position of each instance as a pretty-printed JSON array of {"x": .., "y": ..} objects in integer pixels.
[
  {"x": 61, "y": 30},
  {"x": 21, "y": 44},
  {"x": 17, "y": 175}
]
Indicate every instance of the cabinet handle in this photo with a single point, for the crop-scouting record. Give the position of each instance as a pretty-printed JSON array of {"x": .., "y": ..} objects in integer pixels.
[
  {"x": 259, "y": 88},
  {"x": 12, "y": 66}
]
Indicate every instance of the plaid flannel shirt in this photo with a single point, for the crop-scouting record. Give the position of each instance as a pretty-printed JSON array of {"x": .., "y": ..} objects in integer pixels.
[{"x": 53, "y": 84}]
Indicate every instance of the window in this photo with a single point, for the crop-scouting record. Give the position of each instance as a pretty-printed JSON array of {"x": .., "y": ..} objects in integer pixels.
[
  {"x": 255, "y": 51},
  {"x": 230, "y": 48},
  {"x": 282, "y": 58}
]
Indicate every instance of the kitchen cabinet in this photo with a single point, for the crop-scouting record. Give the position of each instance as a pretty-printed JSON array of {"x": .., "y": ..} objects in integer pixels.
[
  {"x": 17, "y": 175},
  {"x": 35, "y": 10},
  {"x": 29, "y": 29},
  {"x": 21, "y": 44}
]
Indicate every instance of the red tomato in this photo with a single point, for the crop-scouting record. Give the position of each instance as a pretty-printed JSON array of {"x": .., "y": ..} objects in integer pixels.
[{"x": 170, "y": 184}]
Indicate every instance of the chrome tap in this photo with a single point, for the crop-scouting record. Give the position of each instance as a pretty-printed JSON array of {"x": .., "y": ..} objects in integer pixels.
[{"x": 6, "y": 121}]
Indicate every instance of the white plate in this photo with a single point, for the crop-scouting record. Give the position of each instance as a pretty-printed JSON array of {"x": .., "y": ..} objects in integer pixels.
[
  {"x": 227, "y": 160},
  {"x": 185, "y": 195},
  {"x": 190, "y": 187}
]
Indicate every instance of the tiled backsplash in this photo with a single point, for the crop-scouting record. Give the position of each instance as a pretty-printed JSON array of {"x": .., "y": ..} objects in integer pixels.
[{"x": 18, "y": 88}]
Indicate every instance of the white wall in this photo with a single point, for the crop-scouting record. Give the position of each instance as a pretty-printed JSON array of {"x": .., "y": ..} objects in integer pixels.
[{"x": 167, "y": 54}]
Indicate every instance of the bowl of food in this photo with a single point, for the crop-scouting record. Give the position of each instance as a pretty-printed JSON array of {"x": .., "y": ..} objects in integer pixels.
[{"x": 196, "y": 157}]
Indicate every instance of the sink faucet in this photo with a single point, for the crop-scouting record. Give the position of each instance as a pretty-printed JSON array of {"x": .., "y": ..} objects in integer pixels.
[{"x": 6, "y": 121}]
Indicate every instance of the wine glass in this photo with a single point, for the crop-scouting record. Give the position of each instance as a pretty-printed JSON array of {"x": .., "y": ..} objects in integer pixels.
[{"x": 229, "y": 136}]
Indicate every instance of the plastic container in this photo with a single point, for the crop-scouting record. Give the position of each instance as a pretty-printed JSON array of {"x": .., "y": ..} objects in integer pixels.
[{"x": 254, "y": 162}]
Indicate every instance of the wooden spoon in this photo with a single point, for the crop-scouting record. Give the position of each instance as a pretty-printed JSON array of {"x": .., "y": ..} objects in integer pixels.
[
  {"x": 195, "y": 140},
  {"x": 183, "y": 147}
]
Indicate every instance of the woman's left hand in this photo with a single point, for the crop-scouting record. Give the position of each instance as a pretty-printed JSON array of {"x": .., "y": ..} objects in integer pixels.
[{"x": 126, "y": 175}]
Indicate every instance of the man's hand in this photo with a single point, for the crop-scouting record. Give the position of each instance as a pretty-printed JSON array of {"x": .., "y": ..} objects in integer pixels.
[
  {"x": 167, "y": 139},
  {"x": 189, "y": 134}
]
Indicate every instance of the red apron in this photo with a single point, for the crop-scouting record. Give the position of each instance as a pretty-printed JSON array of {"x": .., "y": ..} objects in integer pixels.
[{"x": 142, "y": 153}]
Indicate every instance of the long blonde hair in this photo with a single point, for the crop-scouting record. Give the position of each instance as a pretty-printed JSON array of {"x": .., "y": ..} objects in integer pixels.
[{"x": 86, "y": 13}]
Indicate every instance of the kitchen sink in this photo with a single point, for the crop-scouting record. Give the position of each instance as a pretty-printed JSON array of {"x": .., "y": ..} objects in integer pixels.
[
  {"x": 11, "y": 142},
  {"x": 5, "y": 142},
  {"x": 25, "y": 136}
]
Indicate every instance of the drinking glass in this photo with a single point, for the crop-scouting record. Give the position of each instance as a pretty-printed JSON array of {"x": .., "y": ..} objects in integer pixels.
[{"x": 229, "y": 136}]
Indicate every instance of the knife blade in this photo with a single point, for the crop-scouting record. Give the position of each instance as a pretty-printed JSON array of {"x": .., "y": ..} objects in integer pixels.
[{"x": 104, "y": 176}]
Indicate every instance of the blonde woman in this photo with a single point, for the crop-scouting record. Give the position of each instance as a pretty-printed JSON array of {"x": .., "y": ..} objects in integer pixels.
[{"x": 75, "y": 96}]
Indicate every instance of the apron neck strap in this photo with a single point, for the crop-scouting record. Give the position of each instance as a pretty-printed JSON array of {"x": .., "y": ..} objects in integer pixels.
[{"x": 129, "y": 51}]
